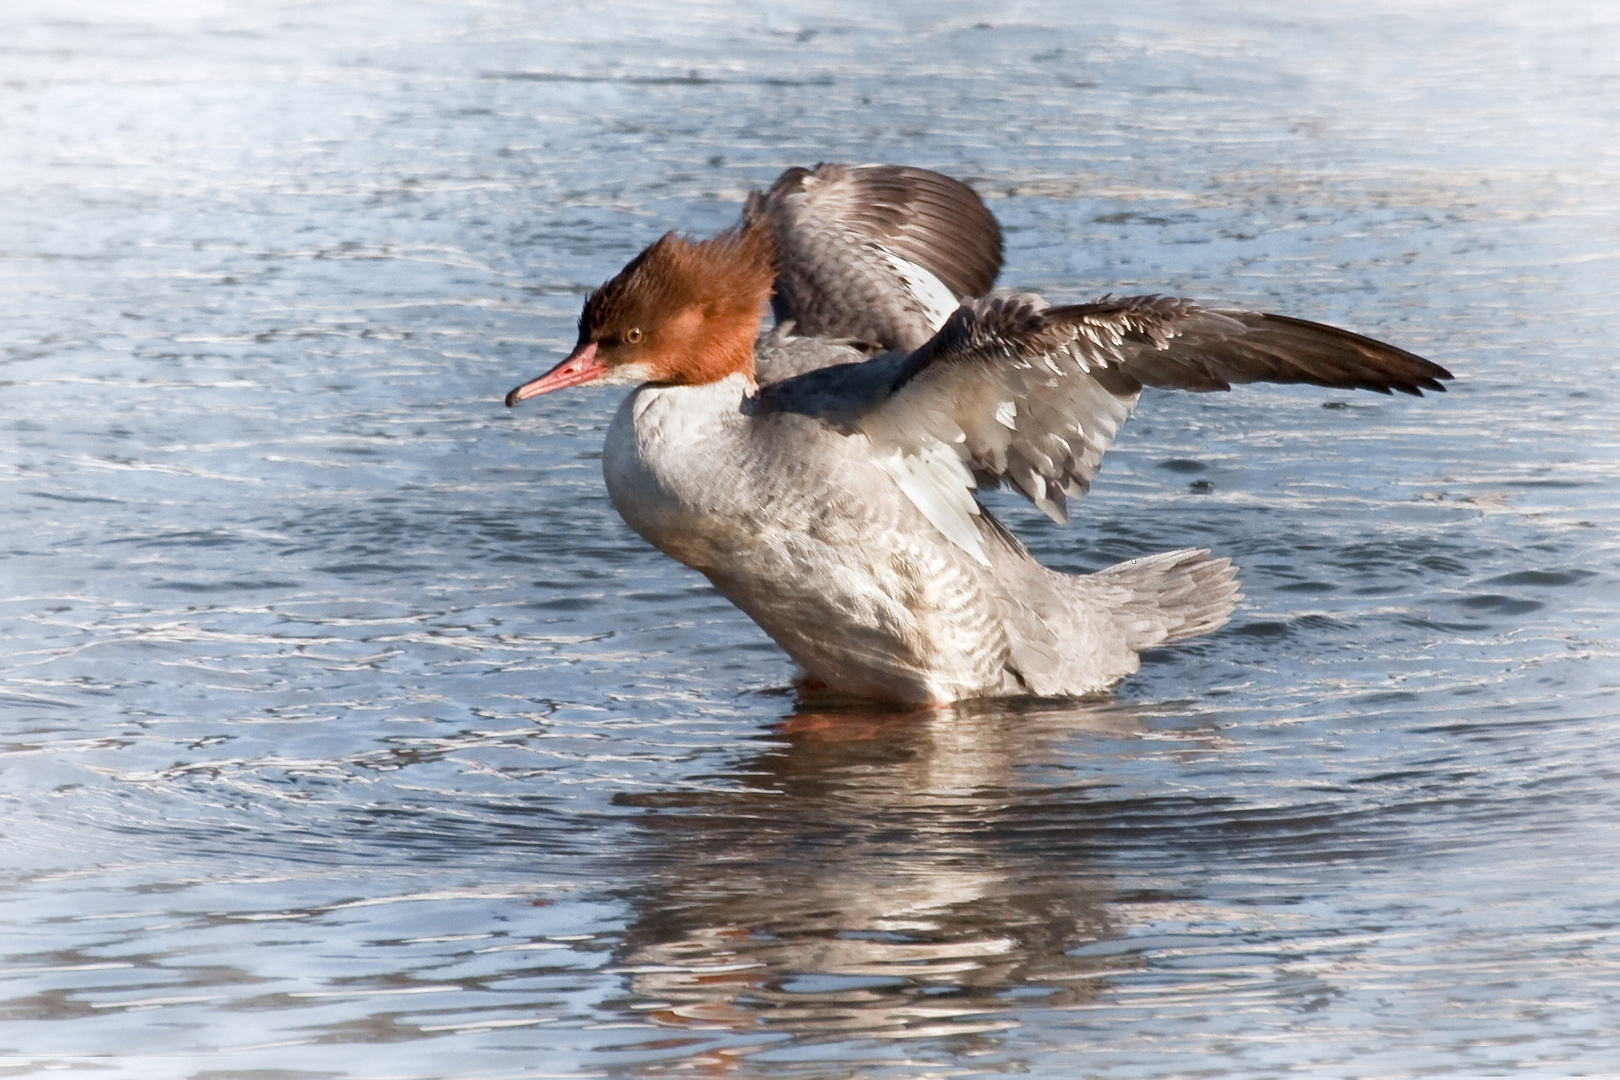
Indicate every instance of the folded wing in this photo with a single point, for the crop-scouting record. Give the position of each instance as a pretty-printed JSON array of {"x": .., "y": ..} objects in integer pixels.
[
  {"x": 1013, "y": 390},
  {"x": 878, "y": 253}
]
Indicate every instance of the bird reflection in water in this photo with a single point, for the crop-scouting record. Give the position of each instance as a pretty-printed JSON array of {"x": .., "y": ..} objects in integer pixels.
[{"x": 879, "y": 874}]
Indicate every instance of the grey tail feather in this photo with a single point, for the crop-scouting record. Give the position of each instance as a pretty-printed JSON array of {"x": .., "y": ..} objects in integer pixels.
[{"x": 1173, "y": 596}]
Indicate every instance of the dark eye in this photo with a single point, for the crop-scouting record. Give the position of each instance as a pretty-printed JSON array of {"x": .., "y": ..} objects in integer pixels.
[{"x": 633, "y": 335}]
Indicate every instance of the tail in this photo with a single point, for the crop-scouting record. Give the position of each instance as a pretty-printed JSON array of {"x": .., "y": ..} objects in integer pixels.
[{"x": 1173, "y": 596}]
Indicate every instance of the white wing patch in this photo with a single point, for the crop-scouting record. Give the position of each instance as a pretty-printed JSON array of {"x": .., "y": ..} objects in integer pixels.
[
  {"x": 939, "y": 484},
  {"x": 938, "y": 302}
]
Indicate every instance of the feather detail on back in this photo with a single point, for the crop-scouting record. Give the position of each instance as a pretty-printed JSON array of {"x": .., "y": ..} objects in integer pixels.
[{"x": 939, "y": 484}]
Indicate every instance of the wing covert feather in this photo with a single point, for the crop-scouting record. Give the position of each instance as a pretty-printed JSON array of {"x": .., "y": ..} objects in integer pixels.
[{"x": 1012, "y": 395}]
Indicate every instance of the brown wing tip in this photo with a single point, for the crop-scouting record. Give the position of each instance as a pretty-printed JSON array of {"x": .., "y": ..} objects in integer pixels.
[{"x": 1395, "y": 368}]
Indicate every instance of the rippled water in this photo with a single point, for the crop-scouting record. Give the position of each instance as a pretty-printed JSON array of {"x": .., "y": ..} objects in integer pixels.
[{"x": 346, "y": 731}]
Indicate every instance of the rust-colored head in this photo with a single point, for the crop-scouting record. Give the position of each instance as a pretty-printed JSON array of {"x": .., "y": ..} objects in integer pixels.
[{"x": 681, "y": 312}]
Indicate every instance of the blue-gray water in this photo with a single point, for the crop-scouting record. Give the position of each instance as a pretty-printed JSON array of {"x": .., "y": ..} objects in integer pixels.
[{"x": 346, "y": 731}]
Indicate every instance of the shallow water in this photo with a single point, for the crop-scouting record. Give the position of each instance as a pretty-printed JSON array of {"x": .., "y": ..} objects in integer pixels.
[{"x": 346, "y": 731}]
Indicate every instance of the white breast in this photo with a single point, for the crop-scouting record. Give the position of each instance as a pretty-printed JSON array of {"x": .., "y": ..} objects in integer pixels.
[
  {"x": 803, "y": 529},
  {"x": 671, "y": 465}
]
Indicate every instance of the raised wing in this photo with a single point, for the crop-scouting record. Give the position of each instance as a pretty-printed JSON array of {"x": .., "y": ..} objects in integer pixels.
[
  {"x": 1014, "y": 390},
  {"x": 1169, "y": 342},
  {"x": 878, "y": 253}
]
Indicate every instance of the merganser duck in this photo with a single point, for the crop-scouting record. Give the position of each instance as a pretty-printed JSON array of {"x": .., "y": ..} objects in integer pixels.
[{"x": 822, "y": 475}]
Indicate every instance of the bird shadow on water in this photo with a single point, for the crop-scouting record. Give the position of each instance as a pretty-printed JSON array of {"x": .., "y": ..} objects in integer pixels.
[{"x": 895, "y": 875}]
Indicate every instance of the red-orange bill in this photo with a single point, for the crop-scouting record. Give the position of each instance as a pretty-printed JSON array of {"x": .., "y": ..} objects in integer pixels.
[{"x": 582, "y": 366}]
